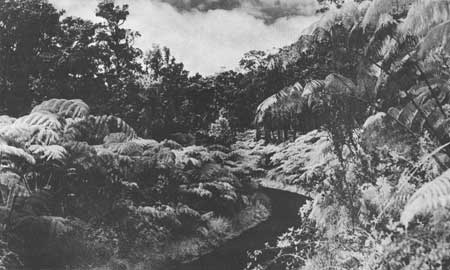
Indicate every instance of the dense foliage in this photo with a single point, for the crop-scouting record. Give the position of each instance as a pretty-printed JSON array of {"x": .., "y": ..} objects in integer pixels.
[
  {"x": 366, "y": 88},
  {"x": 71, "y": 180},
  {"x": 382, "y": 201}
]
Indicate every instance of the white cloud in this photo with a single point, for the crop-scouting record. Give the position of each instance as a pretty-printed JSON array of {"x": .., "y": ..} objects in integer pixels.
[{"x": 203, "y": 41}]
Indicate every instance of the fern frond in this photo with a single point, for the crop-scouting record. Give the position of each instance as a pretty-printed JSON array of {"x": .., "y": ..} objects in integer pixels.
[
  {"x": 108, "y": 124},
  {"x": 6, "y": 120},
  {"x": 8, "y": 180},
  {"x": 57, "y": 226},
  {"x": 49, "y": 152},
  {"x": 423, "y": 112},
  {"x": 348, "y": 15},
  {"x": 173, "y": 145},
  {"x": 118, "y": 137},
  {"x": 164, "y": 214},
  {"x": 279, "y": 105},
  {"x": 436, "y": 39},
  {"x": 78, "y": 129},
  {"x": 11, "y": 151},
  {"x": 423, "y": 15},
  {"x": 146, "y": 143},
  {"x": 379, "y": 7},
  {"x": 46, "y": 136},
  {"x": 18, "y": 133},
  {"x": 129, "y": 148},
  {"x": 197, "y": 191},
  {"x": 431, "y": 196},
  {"x": 165, "y": 158},
  {"x": 73, "y": 108},
  {"x": 44, "y": 119},
  {"x": 186, "y": 211}
]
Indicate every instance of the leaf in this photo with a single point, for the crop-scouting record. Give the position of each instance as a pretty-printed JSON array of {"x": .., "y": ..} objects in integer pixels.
[
  {"x": 279, "y": 105},
  {"x": 431, "y": 196},
  {"x": 129, "y": 148},
  {"x": 18, "y": 133},
  {"x": 436, "y": 39},
  {"x": 423, "y": 111},
  {"x": 49, "y": 152},
  {"x": 378, "y": 8},
  {"x": 118, "y": 137},
  {"x": 44, "y": 119},
  {"x": 46, "y": 136},
  {"x": 9, "y": 179},
  {"x": 6, "y": 120},
  {"x": 73, "y": 108},
  {"x": 12, "y": 151},
  {"x": 423, "y": 15},
  {"x": 107, "y": 124}
]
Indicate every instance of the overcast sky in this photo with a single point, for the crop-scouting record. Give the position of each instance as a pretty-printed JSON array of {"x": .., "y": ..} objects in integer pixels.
[{"x": 207, "y": 35}]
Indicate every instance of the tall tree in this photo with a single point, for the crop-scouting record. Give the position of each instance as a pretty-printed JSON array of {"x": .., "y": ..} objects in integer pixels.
[{"x": 27, "y": 31}]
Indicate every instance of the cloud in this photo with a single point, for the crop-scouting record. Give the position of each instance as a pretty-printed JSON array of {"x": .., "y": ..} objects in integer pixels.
[
  {"x": 269, "y": 10},
  {"x": 204, "y": 40}
]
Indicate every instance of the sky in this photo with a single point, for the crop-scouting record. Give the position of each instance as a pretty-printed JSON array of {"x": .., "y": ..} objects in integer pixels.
[{"x": 209, "y": 35}]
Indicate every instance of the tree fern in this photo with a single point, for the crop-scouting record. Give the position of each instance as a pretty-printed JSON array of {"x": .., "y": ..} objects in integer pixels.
[
  {"x": 45, "y": 119},
  {"x": 279, "y": 105},
  {"x": 423, "y": 15},
  {"x": 431, "y": 196},
  {"x": 74, "y": 108}
]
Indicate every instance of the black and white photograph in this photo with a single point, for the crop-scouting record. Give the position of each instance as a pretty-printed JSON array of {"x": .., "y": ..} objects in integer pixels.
[{"x": 224, "y": 134}]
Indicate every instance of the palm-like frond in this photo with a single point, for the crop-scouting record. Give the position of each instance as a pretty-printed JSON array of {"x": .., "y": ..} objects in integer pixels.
[
  {"x": 431, "y": 196},
  {"x": 44, "y": 119},
  {"x": 280, "y": 104},
  {"x": 423, "y": 15},
  {"x": 74, "y": 108}
]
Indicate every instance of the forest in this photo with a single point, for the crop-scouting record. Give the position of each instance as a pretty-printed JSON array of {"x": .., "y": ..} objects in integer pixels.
[{"x": 354, "y": 117}]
